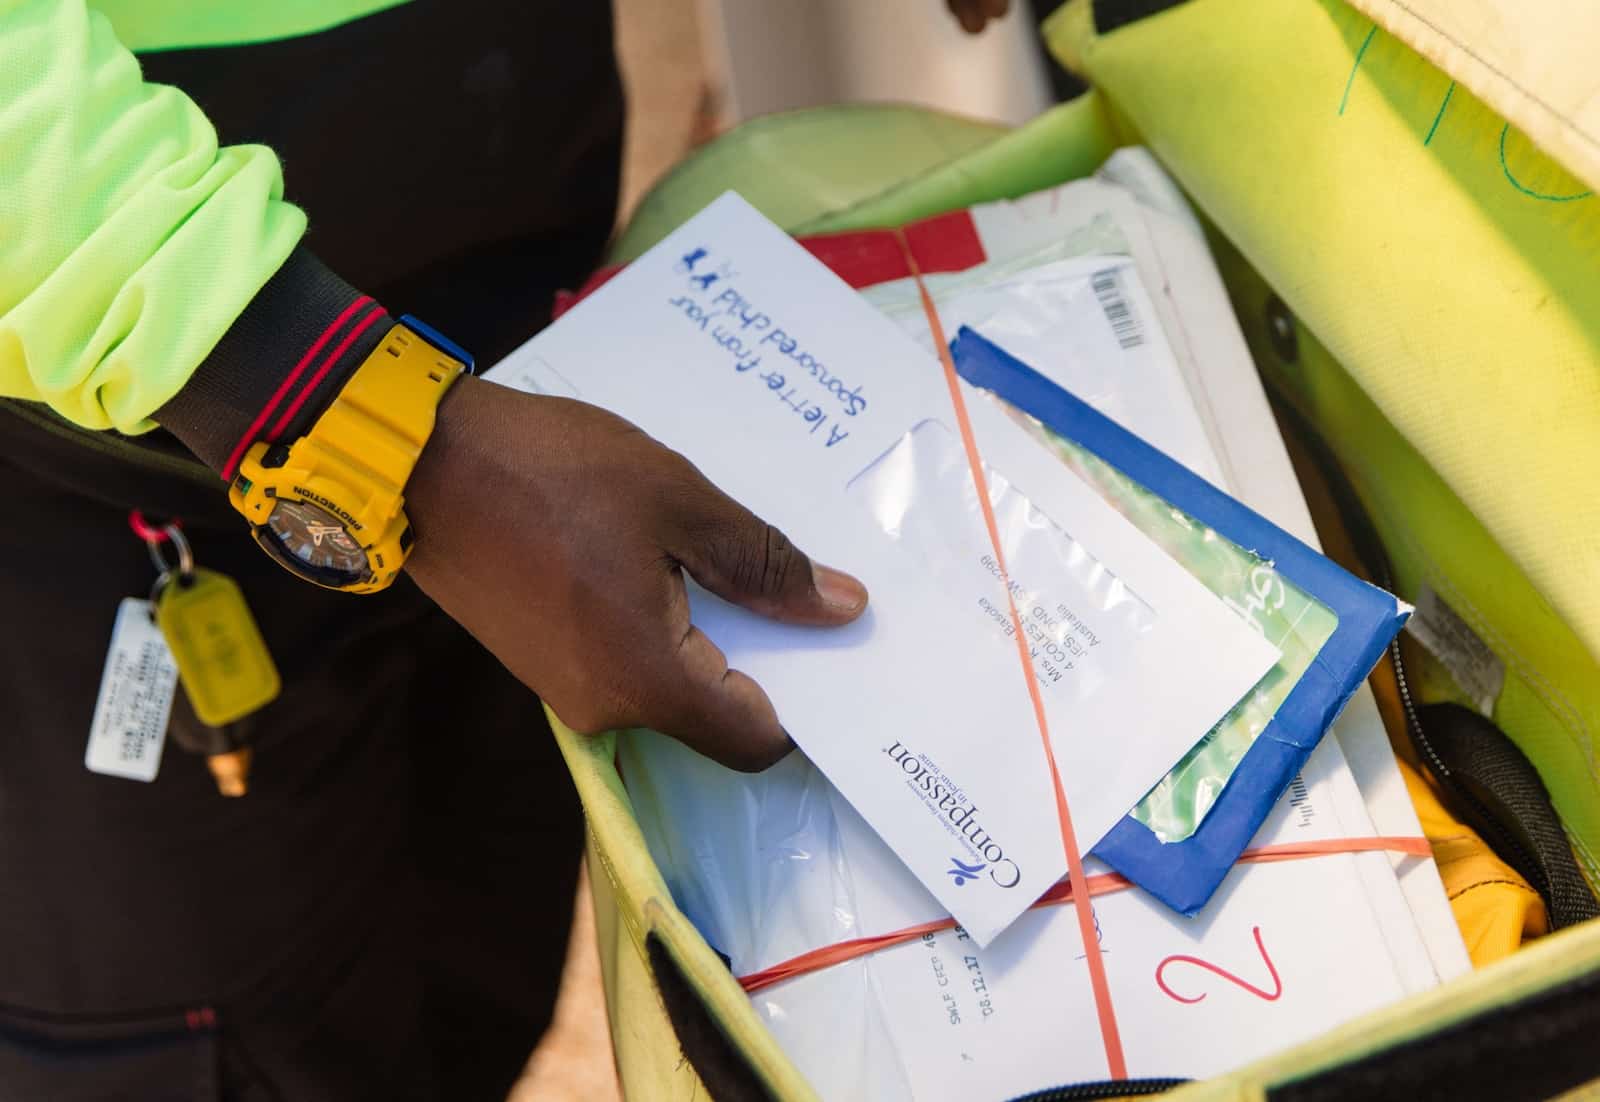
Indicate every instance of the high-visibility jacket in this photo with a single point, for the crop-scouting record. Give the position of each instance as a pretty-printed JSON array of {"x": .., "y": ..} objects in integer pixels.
[{"x": 152, "y": 264}]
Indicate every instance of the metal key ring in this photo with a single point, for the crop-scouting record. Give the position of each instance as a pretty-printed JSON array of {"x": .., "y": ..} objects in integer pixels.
[
  {"x": 184, "y": 567},
  {"x": 156, "y": 589}
]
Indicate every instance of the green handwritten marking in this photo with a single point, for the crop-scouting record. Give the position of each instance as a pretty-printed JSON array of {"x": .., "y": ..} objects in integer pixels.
[
  {"x": 1448, "y": 92},
  {"x": 1365, "y": 42},
  {"x": 1520, "y": 186}
]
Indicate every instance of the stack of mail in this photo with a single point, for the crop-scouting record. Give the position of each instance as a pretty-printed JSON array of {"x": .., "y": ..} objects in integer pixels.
[
  {"x": 923, "y": 791},
  {"x": 774, "y": 866},
  {"x": 800, "y": 400}
]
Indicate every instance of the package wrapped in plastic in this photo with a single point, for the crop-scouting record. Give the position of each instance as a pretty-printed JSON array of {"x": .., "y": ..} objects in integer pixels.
[
  {"x": 776, "y": 866},
  {"x": 757, "y": 863},
  {"x": 1291, "y": 619},
  {"x": 1104, "y": 286},
  {"x": 1087, "y": 311},
  {"x": 876, "y": 995}
]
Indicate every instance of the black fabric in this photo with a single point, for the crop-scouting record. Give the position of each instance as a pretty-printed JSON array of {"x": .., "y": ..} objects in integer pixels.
[
  {"x": 162, "y": 1057},
  {"x": 435, "y": 142},
  {"x": 457, "y": 160},
  {"x": 1502, "y": 797},
  {"x": 1530, "y": 1049},
  {"x": 385, "y": 914},
  {"x": 303, "y": 299},
  {"x": 726, "y": 1072},
  {"x": 1111, "y": 14}
]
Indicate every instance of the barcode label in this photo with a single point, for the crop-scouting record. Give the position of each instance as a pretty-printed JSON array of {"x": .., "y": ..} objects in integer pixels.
[
  {"x": 136, "y": 689},
  {"x": 1124, "y": 322}
]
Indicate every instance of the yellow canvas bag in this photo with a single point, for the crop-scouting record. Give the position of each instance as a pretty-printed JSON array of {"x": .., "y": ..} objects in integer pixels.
[{"x": 1402, "y": 199}]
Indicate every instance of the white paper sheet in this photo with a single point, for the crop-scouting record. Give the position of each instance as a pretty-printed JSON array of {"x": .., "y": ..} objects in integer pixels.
[{"x": 733, "y": 345}]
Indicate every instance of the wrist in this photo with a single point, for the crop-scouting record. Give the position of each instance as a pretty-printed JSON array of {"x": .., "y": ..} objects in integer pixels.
[
  {"x": 329, "y": 505},
  {"x": 427, "y": 493},
  {"x": 494, "y": 450}
]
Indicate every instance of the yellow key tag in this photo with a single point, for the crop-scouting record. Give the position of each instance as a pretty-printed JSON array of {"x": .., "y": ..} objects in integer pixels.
[{"x": 222, "y": 660}]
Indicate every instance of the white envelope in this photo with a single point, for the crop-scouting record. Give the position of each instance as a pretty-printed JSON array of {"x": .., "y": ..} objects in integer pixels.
[{"x": 733, "y": 345}]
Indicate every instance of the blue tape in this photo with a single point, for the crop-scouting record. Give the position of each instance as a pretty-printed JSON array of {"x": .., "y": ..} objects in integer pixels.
[{"x": 1184, "y": 874}]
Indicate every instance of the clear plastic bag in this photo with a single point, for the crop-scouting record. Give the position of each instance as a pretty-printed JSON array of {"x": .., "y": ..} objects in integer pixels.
[
  {"x": 1092, "y": 318},
  {"x": 1077, "y": 615},
  {"x": 1296, "y": 623},
  {"x": 757, "y": 863}
]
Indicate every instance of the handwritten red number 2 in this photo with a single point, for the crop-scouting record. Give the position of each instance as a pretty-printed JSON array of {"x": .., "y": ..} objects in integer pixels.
[{"x": 1270, "y": 996}]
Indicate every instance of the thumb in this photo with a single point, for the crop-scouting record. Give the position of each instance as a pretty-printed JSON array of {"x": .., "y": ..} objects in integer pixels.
[{"x": 742, "y": 559}]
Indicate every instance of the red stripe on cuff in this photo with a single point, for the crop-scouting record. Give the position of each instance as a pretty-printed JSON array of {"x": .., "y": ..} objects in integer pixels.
[
  {"x": 322, "y": 372},
  {"x": 284, "y": 387}
]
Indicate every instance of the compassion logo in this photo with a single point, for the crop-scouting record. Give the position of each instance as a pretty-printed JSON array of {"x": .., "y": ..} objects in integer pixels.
[{"x": 945, "y": 801}]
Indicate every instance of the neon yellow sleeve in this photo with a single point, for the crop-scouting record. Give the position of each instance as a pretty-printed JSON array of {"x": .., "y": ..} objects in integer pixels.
[{"x": 128, "y": 240}]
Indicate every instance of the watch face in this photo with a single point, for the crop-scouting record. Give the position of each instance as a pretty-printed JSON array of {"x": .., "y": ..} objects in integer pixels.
[{"x": 316, "y": 538}]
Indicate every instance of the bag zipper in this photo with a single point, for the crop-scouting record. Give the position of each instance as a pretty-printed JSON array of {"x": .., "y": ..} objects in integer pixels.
[
  {"x": 111, "y": 444},
  {"x": 1369, "y": 547},
  {"x": 1106, "y": 1089}
]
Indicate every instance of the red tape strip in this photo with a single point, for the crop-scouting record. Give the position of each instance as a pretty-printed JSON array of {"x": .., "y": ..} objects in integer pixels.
[{"x": 1116, "y": 1066}]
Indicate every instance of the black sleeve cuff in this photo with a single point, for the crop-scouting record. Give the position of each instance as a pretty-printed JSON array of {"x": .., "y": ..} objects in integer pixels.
[{"x": 278, "y": 366}]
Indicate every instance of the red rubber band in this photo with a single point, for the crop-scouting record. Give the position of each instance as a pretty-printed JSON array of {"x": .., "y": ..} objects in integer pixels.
[
  {"x": 1110, "y": 1034},
  {"x": 1103, "y": 884}
]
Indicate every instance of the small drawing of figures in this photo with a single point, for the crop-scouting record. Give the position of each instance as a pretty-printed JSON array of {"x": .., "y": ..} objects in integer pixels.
[{"x": 705, "y": 280}]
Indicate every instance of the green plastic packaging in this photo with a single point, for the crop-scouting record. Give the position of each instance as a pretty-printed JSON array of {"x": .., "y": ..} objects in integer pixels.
[{"x": 1294, "y": 622}]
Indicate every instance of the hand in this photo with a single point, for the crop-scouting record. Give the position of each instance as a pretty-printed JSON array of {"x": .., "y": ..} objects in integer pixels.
[
  {"x": 974, "y": 15},
  {"x": 559, "y": 535}
]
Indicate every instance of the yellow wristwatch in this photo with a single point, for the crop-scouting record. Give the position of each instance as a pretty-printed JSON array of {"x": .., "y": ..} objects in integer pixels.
[{"x": 328, "y": 506}]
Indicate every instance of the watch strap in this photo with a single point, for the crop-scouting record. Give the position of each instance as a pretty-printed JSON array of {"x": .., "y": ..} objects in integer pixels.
[{"x": 384, "y": 415}]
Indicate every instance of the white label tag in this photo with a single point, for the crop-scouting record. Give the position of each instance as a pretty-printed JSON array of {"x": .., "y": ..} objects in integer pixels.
[
  {"x": 130, "y": 714},
  {"x": 1450, "y": 639}
]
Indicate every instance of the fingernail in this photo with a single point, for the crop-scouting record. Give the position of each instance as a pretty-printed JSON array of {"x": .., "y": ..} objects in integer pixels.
[{"x": 839, "y": 589}]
